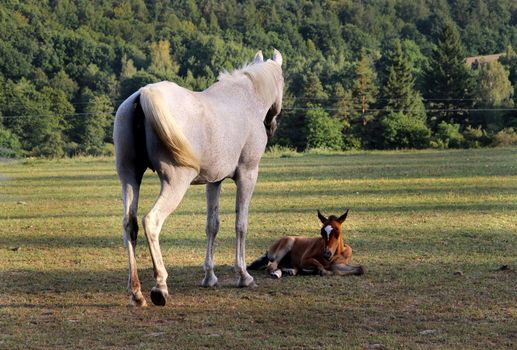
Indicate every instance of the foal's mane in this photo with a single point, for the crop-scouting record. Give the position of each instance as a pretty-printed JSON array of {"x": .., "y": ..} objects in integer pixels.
[{"x": 264, "y": 77}]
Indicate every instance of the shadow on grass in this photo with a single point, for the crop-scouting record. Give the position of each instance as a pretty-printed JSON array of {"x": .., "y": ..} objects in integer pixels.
[
  {"x": 378, "y": 240},
  {"x": 369, "y": 208},
  {"x": 59, "y": 179},
  {"x": 186, "y": 280},
  {"x": 344, "y": 311},
  {"x": 58, "y": 306},
  {"x": 420, "y": 190},
  {"x": 420, "y": 165}
]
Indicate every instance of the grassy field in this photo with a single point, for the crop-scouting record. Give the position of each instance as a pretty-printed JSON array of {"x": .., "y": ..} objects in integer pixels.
[{"x": 433, "y": 229}]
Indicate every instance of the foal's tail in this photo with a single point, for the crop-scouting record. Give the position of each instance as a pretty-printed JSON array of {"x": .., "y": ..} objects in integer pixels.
[
  {"x": 260, "y": 263},
  {"x": 163, "y": 123}
]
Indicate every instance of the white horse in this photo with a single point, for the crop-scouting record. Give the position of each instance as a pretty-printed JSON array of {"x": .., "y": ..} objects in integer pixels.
[{"x": 195, "y": 138}]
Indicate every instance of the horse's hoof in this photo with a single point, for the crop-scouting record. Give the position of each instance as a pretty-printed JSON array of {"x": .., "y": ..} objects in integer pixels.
[
  {"x": 248, "y": 282},
  {"x": 159, "y": 296},
  {"x": 137, "y": 301},
  {"x": 210, "y": 282}
]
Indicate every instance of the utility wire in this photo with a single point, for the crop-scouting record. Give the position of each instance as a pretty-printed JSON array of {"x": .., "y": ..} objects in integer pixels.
[
  {"x": 50, "y": 115},
  {"x": 352, "y": 99},
  {"x": 289, "y": 110},
  {"x": 406, "y": 110},
  {"x": 358, "y": 99}
]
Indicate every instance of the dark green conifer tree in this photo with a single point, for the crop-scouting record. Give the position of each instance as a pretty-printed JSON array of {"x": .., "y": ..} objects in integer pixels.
[
  {"x": 314, "y": 93},
  {"x": 292, "y": 128},
  {"x": 403, "y": 120},
  {"x": 364, "y": 98},
  {"x": 96, "y": 124},
  {"x": 449, "y": 82}
]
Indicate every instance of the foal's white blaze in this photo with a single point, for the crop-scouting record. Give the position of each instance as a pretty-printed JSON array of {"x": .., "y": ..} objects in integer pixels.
[{"x": 328, "y": 229}]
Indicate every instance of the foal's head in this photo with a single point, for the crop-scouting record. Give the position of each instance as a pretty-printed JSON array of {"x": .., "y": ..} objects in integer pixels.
[{"x": 331, "y": 233}]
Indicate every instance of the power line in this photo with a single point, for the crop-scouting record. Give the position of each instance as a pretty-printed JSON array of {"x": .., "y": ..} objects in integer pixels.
[
  {"x": 351, "y": 99},
  {"x": 50, "y": 115},
  {"x": 358, "y": 99},
  {"x": 403, "y": 110},
  {"x": 290, "y": 110}
]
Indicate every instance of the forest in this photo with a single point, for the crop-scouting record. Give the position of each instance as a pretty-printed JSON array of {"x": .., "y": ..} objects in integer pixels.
[{"x": 384, "y": 74}]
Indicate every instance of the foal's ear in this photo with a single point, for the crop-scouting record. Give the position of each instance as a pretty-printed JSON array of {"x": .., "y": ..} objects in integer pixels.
[
  {"x": 322, "y": 218},
  {"x": 342, "y": 218},
  {"x": 259, "y": 57},
  {"x": 277, "y": 57}
]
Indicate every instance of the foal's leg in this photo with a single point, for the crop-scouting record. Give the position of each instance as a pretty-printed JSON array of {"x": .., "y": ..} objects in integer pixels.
[
  {"x": 213, "y": 190},
  {"x": 174, "y": 184},
  {"x": 312, "y": 264},
  {"x": 276, "y": 253},
  {"x": 130, "y": 191},
  {"x": 291, "y": 271},
  {"x": 341, "y": 266},
  {"x": 347, "y": 270},
  {"x": 245, "y": 180}
]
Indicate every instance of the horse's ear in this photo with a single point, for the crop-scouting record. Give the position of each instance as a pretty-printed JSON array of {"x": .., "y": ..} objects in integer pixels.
[
  {"x": 342, "y": 218},
  {"x": 259, "y": 58},
  {"x": 321, "y": 217},
  {"x": 277, "y": 57}
]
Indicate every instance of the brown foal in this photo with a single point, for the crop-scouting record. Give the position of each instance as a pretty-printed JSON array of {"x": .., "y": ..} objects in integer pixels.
[{"x": 325, "y": 255}]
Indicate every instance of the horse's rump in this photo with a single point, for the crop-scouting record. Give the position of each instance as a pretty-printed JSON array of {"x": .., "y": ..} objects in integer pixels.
[{"x": 157, "y": 112}]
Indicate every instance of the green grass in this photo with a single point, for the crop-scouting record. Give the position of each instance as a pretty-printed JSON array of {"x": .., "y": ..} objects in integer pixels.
[{"x": 431, "y": 227}]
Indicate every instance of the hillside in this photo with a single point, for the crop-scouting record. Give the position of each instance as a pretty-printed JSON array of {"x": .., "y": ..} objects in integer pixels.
[{"x": 65, "y": 66}]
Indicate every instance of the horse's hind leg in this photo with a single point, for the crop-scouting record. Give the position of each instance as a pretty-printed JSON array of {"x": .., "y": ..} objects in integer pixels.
[
  {"x": 174, "y": 183},
  {"x": 213, "y": 191},
  {"x": 130, "y": 192}
]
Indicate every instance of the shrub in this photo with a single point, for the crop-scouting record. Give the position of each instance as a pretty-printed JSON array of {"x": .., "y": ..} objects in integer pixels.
[
  {"x": 72, "y": 149},
  {"x": 505, "y": 137},
  {"x": 278, "y": 151},
  {"x": 322, "y": 152},
  {"x": 351, "y": 142},
  {"x": 448, "y": 136},
  {"x": 10, "y": 146},
  {"x": 108, "y": 150},
  {"x": 403, "y": 131},
  {"x": 323, "y": 131},
  {"x": 51, "y": 146},
  {"x": 474, "y": 137}
]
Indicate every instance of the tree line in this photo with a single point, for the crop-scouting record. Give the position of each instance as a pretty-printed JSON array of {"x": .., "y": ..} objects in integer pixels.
[{"x": 359, "y": 75}]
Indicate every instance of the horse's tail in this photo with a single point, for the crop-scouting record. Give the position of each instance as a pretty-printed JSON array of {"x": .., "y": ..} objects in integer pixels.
[
  {"x": 260, "y": 263},
  {"x": 165, "y": 126}
]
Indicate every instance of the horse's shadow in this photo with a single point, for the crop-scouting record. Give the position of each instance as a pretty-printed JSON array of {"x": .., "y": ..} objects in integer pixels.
[{"x": 32, "y": 282}]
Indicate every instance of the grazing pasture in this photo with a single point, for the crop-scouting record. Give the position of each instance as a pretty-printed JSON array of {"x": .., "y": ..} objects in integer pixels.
[{"x": 434, "y": 229}]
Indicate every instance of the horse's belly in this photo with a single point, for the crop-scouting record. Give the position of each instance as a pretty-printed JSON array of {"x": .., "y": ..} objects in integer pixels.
[{"x": 206, "y": 176}]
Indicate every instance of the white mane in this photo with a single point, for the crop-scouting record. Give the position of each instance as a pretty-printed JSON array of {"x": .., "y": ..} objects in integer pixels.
[{"x": 264, "y": 76}]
